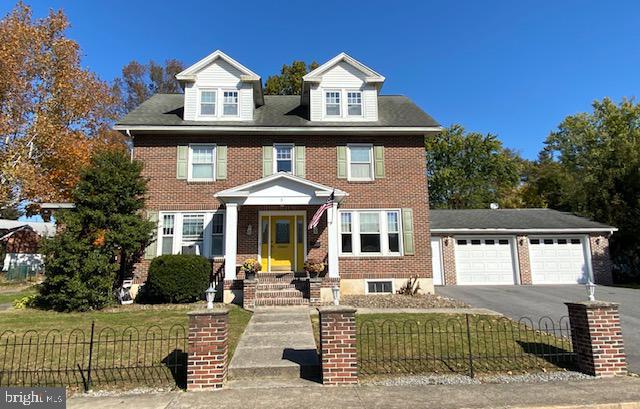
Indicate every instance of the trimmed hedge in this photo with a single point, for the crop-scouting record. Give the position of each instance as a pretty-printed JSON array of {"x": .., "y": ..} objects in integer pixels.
[{"x": 177, "y": 278}]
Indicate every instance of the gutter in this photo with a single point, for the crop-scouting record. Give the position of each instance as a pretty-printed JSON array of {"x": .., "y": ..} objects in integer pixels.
[
  {"x": 609, "y": 230},
  {"x": 335, "y": 130}
]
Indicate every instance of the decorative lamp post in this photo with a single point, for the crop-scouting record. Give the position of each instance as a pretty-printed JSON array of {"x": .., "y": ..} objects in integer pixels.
[
  {"x": 591, "y": 290},
  {"x": 336, "y": 295},
  {"x": 210, "y": 294}
]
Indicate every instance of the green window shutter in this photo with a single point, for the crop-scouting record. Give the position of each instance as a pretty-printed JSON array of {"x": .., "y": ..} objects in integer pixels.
[
  {"x": 342, "y": 162},
  {"x": 300, "y": 160},
  {"x": 150, "y": 251},
  {"x": 183, "y": 155},
  {"x": 378, "y": 161},
  {"x": 221, "y": 162},
  {"x": 267, "y": 160},
  {"x": 407, "y": 232}
]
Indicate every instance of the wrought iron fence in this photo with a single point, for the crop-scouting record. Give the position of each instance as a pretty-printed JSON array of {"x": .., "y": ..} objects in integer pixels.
[
  {"x": 102, "y": 357},
  {"x": 468, "y": 344}
]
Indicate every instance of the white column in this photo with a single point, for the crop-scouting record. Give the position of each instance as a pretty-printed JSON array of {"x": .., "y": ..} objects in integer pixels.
[
  {"x": 230, "y": 240},
  {"x": 332, "y": 227}
]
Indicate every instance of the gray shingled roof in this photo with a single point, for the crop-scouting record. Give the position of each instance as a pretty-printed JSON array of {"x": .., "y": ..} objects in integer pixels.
[
  {"x": 278, "y": 111},
  {"x": 513, "y": 219}
]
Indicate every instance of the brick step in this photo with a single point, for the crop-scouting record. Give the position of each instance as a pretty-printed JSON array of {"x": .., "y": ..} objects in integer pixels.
[
  {"x": 281, "y": 301},
  {"x": 293, "y": 293},
  {"x": 279, "y": 286}
]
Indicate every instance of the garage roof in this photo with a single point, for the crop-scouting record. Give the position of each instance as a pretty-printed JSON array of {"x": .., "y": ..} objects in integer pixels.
[{"x": 512, "y": 220}]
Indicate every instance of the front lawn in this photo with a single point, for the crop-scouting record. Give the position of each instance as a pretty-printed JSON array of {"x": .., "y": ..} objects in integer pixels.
[
  {"x": 8, "y": 297},
  {"x": 441, "y": 343}
]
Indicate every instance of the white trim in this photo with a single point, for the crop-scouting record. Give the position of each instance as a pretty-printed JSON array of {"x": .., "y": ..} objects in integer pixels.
[
  {"x": 215, "y": 102},
  {"x": 439, "y": 258},
  {"x": 542, "y": 231},
  {"x": 190, "y": 177},
  {"x": 177, "y": 230},
  {"x": 294, "y": 213},
  {"x": 372, "y": 76},
  {"x": 293, "y": 157},
  {"x": 219, "y": 103},
  {"x": 189, "y": 73},
  {"x": 376, "y": 280},
  {"x": 333, "y": 130},
  {"x": 346, "y": 102},
  {"x": 384, "y": 233},
  {"x": 371, "y": 164},
  {"x": 344, "y": 105}
]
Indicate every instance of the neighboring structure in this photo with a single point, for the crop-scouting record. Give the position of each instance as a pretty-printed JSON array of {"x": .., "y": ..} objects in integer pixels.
[
  {"x": 234, "y": 174},
  {"x": 20, "y": 242},
  {"x": 518, "y": 246}
]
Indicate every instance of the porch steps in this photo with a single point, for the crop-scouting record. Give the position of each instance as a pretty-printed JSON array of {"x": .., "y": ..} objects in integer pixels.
[
  {"x": 278, "y": 344},
  {"x": 280, "y": 289}
]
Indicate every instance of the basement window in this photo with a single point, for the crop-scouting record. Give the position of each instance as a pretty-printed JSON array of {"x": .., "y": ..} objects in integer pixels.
[{"x": 380, "y": 287}]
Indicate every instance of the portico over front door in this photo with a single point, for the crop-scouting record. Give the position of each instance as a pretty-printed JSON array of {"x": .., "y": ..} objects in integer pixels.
[{"x": 282, "y": 242}]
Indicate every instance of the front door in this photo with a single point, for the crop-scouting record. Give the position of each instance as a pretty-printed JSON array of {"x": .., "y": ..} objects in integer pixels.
[{"x": 282, "y": 243}]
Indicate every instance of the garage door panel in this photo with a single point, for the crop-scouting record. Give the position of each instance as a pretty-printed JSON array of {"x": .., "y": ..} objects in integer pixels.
[
  {"x": 484, "y": 261},
  {"x": 558, "y": 260}
]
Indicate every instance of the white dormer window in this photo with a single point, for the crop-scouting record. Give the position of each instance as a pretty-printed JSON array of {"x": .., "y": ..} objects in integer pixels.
[
  {"x": 207, "y": 102},
  {"x": 332, "y": 103},
  {"x": 230, "y": 104},
  {"x": 354, "y": 103}
]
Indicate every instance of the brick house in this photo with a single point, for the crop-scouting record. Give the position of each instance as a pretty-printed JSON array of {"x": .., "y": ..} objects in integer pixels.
[{"x": 234, "y": 174}]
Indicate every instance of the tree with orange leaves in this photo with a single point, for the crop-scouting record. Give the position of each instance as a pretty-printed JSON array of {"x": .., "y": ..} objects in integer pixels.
[{"x": 53, "y": 113}]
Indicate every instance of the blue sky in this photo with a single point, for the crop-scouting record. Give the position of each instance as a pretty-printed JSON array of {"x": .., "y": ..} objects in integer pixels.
[{"x": 513, "y": 68}]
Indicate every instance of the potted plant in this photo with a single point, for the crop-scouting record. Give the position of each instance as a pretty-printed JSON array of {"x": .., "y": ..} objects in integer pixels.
[
  {"x": 250, "y": 267},
  {"x": 313, "y": 267}
]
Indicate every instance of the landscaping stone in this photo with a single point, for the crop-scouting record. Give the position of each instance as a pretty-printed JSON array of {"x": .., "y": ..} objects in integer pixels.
[{"x": 401, "y": 301}]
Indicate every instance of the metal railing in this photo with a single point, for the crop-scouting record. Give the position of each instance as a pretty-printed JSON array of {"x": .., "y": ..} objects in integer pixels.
[
  {"x": 467, "y": 344},
  {"x": 150, "y": 356}
]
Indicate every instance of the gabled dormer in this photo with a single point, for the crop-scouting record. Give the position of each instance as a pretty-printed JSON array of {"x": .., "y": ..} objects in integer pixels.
[
  {"x": 342, "y": 89},
  {"x": 218, "y": 88}
]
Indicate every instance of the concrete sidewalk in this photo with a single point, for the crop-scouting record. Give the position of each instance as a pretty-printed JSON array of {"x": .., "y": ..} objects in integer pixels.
[{"x": 601, "y": 394}]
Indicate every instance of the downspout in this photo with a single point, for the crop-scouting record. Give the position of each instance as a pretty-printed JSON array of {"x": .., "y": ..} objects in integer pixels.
[{"x": 131, "y": 138}]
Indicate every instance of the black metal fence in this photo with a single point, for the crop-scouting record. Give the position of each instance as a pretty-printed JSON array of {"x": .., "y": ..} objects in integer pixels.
[
  {"x": 467, "y": 344},
  {"x": 103, "y": 357}
]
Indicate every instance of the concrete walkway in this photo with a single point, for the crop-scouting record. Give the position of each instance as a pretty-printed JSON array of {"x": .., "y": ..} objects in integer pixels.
[
  {"x": 277, "y": 343},
  {"x": 606, "y": 393}
]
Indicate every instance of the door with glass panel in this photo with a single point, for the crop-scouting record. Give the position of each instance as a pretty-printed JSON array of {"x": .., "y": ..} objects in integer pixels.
[{"x": 282, "y": 242}]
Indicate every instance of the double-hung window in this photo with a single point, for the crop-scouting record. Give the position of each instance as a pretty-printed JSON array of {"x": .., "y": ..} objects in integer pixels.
[
  {"x": 192, "y": 233},
  {"x": 354, "y": 103},
  {"x": 202, "y": 162},
  {"x": 217, "y": 235},
  {"x": 360, "y": 159},
  {"x": 332, "y": 103},
  {"x": 208, "y": 102},
  {"x": 370, "y": 232},
  {"x": 168, "y": 225},
  {"x": 230, "y": 103},
  {"x": 284, "y": 158}
]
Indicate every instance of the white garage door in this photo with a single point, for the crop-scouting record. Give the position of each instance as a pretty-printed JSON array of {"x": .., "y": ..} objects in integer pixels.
[
  {"x": 484, "y": 260},
  {"x": 558, "y": 260}
]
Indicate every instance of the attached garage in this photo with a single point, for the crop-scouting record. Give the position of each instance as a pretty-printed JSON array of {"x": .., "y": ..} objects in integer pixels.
[
  {"x": 518, "y": 246},
  {"x": 485, "y": 260},
  {"x": 559, "y": 260}
]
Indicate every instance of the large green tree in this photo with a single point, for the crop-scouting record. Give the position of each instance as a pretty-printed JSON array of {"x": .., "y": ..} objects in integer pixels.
[
  {"x": 469, "y": 169},
  {"x": 101, "y": 239},
  {"x": 289, "y": 82},
  {"x": 596, "y": 156}
]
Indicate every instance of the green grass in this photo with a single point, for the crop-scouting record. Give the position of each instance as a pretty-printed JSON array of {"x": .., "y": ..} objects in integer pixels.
[
  {"x": 439, "y": 343},
  {"x": 10, "y": 297},
  {"x": 121, "y": 357}
]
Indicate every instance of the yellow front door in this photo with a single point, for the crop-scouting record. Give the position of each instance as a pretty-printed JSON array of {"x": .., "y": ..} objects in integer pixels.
[{"x": 282, "y": 243}]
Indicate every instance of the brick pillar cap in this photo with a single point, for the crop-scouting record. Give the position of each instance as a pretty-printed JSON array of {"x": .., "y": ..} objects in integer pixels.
[
  {"x": 335, "y": 309},
  {"x": 592, "y": 304},
  {"x": 217, "y": 310}
]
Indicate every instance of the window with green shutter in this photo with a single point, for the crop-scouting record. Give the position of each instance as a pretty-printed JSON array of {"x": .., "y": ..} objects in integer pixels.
[
  {"x": 267, "y": 160},
  {"x": 150, "y": 251},
  {"x": 407, "y": 232},
  {"x": 221, "y": 162},
  {"x": 182, "y": 162}
]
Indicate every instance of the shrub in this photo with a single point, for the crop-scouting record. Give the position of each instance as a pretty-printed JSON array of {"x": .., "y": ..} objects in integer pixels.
[
  {"x": 25, "y": 302},
  {"x": 179, "y": 278}
]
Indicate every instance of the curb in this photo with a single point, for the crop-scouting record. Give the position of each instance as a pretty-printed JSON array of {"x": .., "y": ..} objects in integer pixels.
[{"x": 620, "y": 405}]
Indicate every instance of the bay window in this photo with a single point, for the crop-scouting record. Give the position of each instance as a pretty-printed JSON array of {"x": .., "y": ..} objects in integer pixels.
[
  {"x": 370, "y": 232},
  {"x": 199, "y": 233}
]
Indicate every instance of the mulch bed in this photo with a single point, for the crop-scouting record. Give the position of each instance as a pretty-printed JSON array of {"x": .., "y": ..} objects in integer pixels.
[{"x": 401, "y": 301}]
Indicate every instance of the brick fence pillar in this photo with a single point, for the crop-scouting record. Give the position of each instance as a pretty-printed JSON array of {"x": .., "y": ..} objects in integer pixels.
[
  {"x": 208, "y": 349},
  {"x": 597, "y": 338},
  {"x": 315, "y": 284},
  {"x": 524, "y": 264},
  {"x": 338, "y": 353},
  {"x": 249, "y": 294}
]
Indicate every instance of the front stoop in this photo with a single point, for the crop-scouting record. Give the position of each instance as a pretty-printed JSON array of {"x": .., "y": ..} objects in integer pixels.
[
  {"x": 278, "y": 344},
  {"x": 281, "y": 289}
]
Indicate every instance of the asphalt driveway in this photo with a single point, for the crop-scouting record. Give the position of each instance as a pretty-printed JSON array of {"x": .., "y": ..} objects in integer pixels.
[{"x": 537, "y": 301}]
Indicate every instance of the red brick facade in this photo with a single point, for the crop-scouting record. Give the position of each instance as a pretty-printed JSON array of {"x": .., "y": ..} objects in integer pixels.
[
  {"x": 404, "y": 186},
  {"x": 600, "y": 259},
  {"x": 208, "y": 349},
  {"x": 449, "y": 260},
  {"x": 524, "y": 263},
  {"x": 338, "y": 352},
  {"x": 597, "y": 338},
  {"x": 249, "y": 294}
]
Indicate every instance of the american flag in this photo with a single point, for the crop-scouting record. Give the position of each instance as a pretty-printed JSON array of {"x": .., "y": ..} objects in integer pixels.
[{"x": 316, "y": 217}]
